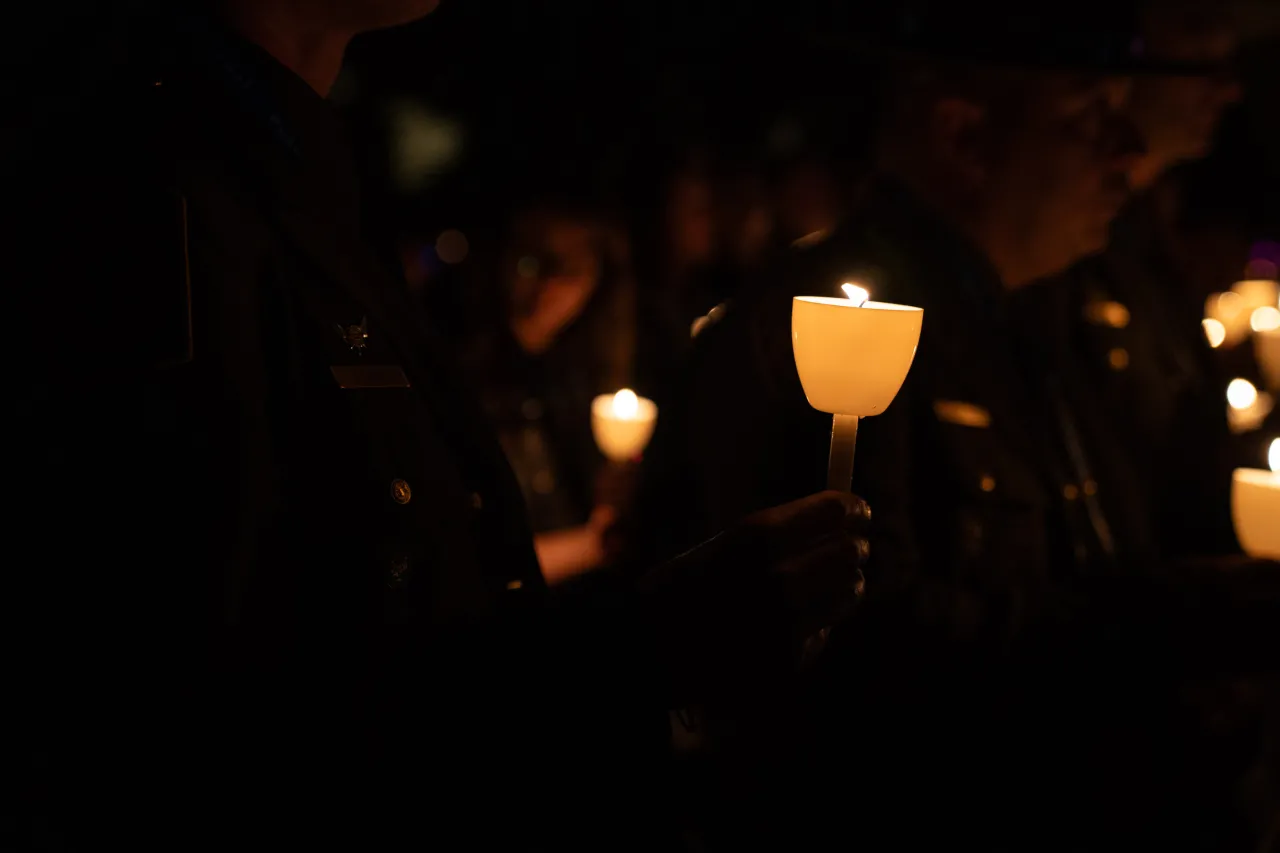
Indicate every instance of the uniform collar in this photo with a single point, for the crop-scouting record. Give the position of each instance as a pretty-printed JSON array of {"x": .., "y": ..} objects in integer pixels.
[{"x": 292, "y": 135}]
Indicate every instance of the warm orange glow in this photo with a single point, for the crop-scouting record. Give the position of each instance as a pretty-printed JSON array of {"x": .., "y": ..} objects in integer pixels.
[
  {"x": 856, "y": 294},
  {"x": 1214, "y": 331},
  {"x": 452, "y": 246},
  {"x": 622, "y": 424},
  {"x": 1273, "y": 455},
  {"x": 1241, "y": 394},
  {"x": 1265, "y": 319},
  {"x": 626, "y": 405},
  {"x": 1229, "y": 305}
]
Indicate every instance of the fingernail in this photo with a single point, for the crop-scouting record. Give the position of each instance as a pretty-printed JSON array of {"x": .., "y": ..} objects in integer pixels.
[{"x": 864, "y": 550}]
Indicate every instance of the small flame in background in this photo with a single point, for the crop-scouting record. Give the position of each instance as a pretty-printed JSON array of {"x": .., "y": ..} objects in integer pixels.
[
  {"x": 1273, "y": 455},
  {"x": 1241, "y": 394},
  {"x": 1214, "y": 331},
  {"x": 855, "y": 294},
  {"x": 1265, "y": 319},
  {"x": 626, "y": 405}
]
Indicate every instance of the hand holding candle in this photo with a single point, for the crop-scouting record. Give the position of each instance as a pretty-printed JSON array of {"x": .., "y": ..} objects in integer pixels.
[
  {"x": 1255, "y": 507},
  {"x": 622, "y": 424},
  {"x": 852, "y": 356}
]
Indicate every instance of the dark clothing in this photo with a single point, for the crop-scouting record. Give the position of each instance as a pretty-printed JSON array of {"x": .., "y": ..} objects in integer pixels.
[
  {"x": 541, "y": 411},
  {"x": 293, "y": 594},
  {"x": 1006, "y": 587},
  {"x": 1130, "y": 322}
]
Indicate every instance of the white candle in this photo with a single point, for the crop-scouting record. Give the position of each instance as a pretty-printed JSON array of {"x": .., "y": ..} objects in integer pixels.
[
  {"x": 1265, "y": 322},
  {"x": 1238, "y": 309},
  {"x": 852, "y": 357},
  {"x": 1256, "y": 293},
  {"x": 1255, "y": 507},
  {"x": 1247, "y": 408},
  {"x": 1227, "y": 310},
  {"x": 622, "y": 424}
]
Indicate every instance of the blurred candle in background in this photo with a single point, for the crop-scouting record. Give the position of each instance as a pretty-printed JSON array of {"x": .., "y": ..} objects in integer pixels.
[
  {"x": 1265, "y": 322},
  {"x": 1247, "y": 407},
  {"x": 622, "y": 424},
  {"x": 1255, "y": 507},
  {"x": 1228, "y": 311},
  {"x": 1214, "y": 331}
]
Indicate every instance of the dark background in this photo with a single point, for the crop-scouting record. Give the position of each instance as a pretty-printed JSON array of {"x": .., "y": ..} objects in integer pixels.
[{"x": 597, "y": 100}]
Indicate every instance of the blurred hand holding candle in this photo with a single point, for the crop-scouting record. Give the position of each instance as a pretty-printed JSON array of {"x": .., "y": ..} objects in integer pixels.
[
  {"x": 852, "y": 357},
  {"x": 1255, "y": 507},
  {"x": 622, "y": 424}
]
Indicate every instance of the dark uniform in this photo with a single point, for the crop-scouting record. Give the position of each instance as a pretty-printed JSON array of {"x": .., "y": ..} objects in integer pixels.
[
  {"x": 275, "y": 575},
  {"x": 1130, "y": 322}
]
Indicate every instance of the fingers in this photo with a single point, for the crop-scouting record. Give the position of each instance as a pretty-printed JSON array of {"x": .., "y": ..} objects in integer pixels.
[
  {"x": 830, "y": 562},
  {"x": 801, "y": 523},
  {"x": 820, "y": 583}
]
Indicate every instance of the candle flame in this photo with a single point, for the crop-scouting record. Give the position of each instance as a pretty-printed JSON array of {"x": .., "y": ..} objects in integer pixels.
[
  {"x": 857, "y": 295},
  {"x": 1273, "y": 455},
  {"x": 626, "y": 405},
  {"x": 1265, "y": 319},
  {"x": 1241, "y": 394},
  {"x": 1214, "y": 331}
]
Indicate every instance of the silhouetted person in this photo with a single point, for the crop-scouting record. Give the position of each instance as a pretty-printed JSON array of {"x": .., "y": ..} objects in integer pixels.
[{"x": 279, "y": 587}]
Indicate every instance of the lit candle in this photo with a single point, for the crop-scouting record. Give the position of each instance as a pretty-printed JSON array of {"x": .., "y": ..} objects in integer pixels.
[
  {"x": 1214, "y": 331},
  {"x": 1247, "y": 408},
  {"x": 1265, "y": 322},
  {"x": 1228, "y": 312},
  {"x": 1256, "y": 293},
  {"x": 1237, "y": 309},
  {"x": 622, "y": 424},
  {"x": 1255, "y": 507},
  {"x": 852, "y": 356}
]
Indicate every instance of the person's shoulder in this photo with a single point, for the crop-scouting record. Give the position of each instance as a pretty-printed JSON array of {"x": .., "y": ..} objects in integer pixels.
[{"x": 99, "y": 228}]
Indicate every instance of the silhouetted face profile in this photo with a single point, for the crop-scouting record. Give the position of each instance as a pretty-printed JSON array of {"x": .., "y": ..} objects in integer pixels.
[
  {"x": 1031, "y": 165},
  {"x": 1058, "y": 177}
]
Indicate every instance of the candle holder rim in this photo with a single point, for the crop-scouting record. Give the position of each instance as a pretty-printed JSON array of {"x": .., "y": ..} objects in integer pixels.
[
  {"x": 841, "y": 302},
  {"x": 646, "y": 409},
  {"x": 1256, "y": 476}
]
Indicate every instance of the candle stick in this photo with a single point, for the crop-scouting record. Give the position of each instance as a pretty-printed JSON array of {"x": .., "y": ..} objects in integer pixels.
[
  {"x": 852, "y": 357},
  {"x": 844, "y": 440}
]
